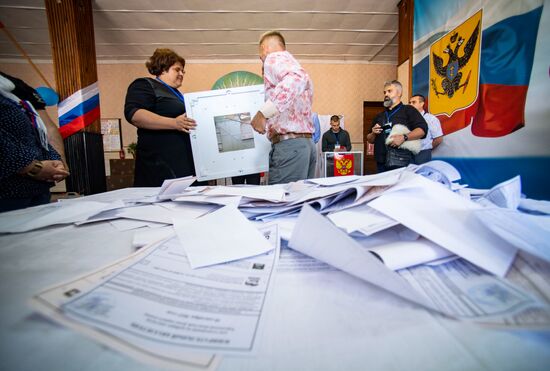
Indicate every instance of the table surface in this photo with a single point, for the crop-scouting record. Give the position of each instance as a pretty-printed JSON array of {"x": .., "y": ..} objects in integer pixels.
[{"x": 318, "y": 320}]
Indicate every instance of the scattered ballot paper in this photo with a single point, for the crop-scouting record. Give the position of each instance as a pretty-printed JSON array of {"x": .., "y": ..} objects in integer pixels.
[
  {"x": 446, "y": 219},
  {"x": 219, "y": 237},
  {"x": 315, "y": 236},
  {"x": 171, "y": 188},
  {"x": 28, "y": 219}
]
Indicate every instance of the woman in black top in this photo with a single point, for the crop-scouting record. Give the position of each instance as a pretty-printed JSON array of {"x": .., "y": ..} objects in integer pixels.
[{"x": 156, "y": 107}]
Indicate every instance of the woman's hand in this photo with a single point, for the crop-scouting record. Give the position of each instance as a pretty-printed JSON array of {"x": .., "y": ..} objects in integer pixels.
[
  {"x": 184, "y": 123},
  {"x": 48, "y": 170}
]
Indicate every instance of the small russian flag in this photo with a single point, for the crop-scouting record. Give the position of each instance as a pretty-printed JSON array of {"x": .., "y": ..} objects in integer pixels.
[{"x": 79, "y": 110}]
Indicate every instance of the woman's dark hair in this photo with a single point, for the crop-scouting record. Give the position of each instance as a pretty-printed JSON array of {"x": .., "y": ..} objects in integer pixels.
[{"x": 162, "y": 60}]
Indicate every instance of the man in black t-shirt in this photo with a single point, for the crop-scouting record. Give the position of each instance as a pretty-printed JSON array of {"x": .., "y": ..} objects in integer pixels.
[{"x": 395, "y": 113}]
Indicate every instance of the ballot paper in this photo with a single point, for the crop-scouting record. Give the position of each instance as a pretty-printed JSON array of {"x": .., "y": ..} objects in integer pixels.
[
  {"x": 332, "y": 181},
  {"x": 405, "y": 254},
  {"x": 506, "y": 194},
  {"x": 525, "y": 231},
  {"x": 52, "y": 214},
  {"x": 447, "y": 219},
  {"x": 129, "y": 224},
  {"x": 442, "y": 167},
  {"x": 537, "y": 207},
  {"x": 274, "y": 193},
  {"x": 170, "y": 188},
  {"x": 202, "y": 199},
  {"x": 362, "y": 217},
  {"x": 316, "y": 236},
  {"x": 221, "y": 236},
  {"x": 458, "y": 288},
  {"x": 153, "y": 306},
  {"x": 147, "y": 236},
  {"x": 124, "y": 194},
  {"x": 148, "y": 212},
  {"x": 469, "y": 293}
]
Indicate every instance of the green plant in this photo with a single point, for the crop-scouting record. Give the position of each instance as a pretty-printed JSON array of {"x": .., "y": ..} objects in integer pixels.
[{"x": 132, "y": 148}]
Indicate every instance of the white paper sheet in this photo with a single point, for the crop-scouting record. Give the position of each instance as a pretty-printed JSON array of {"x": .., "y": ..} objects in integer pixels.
[
  {"x": 51, "y": 214},
  {"x": 126, "y": 194},
  {"x": 447, "y": 219},
  {"x": 209, "y": 200},
  {"x": 527, "y": 232},
  {"x": 506, "y": 194},
  {"x": 275, "y": 193},
  {"x": 160, "y": 304},
  {"x": 172, "y": 187},
  {"x": 332, "y": 181},
  {"x": 464, "y": 291},
  {"x": 405, "y": 254},
  {"x": 50, "y": 302},
  {"x": 534, "y": 206},
  {"x": 147, "y": 236},
  {"x": 444, "y": 167},
  {"x": 129, "y": 224},
  {"x": 222, "y": 236},
  {"x": 362, "y": 217},
  {"x": 316, "y": 236},
  {"x": 188, "y": 210}
]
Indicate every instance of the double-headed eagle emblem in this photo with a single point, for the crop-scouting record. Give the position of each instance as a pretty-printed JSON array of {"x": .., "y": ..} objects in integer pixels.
[
  {"x": 344, "y": 166},
  {"x": 451, "y": 71}
]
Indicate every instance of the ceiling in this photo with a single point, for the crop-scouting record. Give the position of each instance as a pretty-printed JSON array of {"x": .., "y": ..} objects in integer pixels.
[{"x": 362, "y": 31}]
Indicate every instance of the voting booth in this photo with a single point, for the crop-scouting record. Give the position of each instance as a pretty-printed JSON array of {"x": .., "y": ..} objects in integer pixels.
[{"x": 342, "y": 163}]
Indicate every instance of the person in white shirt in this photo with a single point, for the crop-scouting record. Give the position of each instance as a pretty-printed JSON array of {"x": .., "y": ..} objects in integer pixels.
[{"x": 435, "y": 134}]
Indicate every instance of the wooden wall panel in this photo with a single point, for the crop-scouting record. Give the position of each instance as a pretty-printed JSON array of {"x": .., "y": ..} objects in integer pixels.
[
  {"x": 405, "y": 39},
  {"x": 71, "y": 28}
]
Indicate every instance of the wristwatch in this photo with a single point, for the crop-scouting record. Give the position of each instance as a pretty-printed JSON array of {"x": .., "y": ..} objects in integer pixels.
[
  {"x": 405, "y": 137},
  {"x": 36, "y": 169}
]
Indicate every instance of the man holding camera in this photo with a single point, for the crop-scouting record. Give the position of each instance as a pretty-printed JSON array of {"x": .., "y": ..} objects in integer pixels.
[{"x": 394, "y": 114}]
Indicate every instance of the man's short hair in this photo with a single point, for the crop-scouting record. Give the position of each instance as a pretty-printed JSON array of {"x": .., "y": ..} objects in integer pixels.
[
  {"x": 395, "y": 83},
  {"x": 273, "y": 34},
  {"x": 421, "y": 98},
  {"x": 335, "y": 118}
]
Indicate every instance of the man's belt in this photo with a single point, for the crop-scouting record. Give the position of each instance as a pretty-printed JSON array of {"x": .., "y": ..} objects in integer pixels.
[{"x": 276, "y": 138}]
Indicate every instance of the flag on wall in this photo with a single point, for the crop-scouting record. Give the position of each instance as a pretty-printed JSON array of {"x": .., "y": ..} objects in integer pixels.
[
  {"x": 496, "y": 69},
  {"x": 79, "y": 110},
  {"x": 476, "y": 61}
]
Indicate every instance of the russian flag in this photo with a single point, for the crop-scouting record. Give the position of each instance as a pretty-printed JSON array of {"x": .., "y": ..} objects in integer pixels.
[
  {"x": 507, "y": 50},
  {"x": 79, "y": 110},
  {"x": 504, "y": 132}
]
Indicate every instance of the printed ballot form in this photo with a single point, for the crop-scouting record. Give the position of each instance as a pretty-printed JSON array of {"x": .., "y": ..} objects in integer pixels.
[
  {"x": 224, "y": 143},
  {"x": 153, "y": 302}
]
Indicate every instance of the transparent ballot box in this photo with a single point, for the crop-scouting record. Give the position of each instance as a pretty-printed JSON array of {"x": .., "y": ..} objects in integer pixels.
[{"x": 342, "y": 163}]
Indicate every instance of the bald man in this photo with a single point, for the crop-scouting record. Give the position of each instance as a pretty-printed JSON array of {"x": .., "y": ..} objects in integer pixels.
[{"x": 286, "y": 115}]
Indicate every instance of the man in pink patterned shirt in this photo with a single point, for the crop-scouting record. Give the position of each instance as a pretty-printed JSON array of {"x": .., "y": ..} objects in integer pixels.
[{"x": 286, "y": 114}]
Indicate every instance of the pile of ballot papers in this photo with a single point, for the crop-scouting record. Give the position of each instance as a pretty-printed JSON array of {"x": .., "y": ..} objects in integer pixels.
[{"x": 481, "y": 256}]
